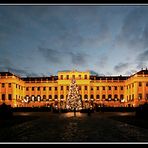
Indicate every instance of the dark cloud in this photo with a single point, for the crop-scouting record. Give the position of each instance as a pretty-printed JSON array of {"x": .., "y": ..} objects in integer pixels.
[
  {"x": 143, "y": 56},
  {"x": 142, "y": 59},
  {"x": 53, "y": 56},
  {"x": 121, "y": 67},
  {"x": 134, "y": 31},
  {"x": 58, "y": 57},
  {"x": 78, "y": 58},
  {"x": 103, "y": 61}
]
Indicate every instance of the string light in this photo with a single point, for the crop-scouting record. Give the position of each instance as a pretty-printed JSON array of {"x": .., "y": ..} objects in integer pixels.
[{"x": 73, "y": 99}]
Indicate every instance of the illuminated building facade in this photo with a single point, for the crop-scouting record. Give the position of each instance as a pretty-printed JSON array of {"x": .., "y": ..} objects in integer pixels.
[{"x": 94, "y": 90}]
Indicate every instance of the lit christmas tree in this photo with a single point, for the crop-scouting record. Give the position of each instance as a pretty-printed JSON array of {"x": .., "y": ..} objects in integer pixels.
[{"x": 74, "y": 101}]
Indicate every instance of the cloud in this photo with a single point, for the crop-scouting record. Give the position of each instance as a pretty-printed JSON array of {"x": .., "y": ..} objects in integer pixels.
[
  {"x": 78, "y": 58},
  {"x": 61, "y": 56},
  {"x": 103, "y": 61},
  {"x": 53, "y": 56},
  {"x": 142, "y": 59},
  {"x": 121, "y": 67},
  {"x": 134, "y": 31}
]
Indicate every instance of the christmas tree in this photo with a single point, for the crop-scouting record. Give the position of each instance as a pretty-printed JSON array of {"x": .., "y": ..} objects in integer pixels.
[{"x": 74, "y": 101}]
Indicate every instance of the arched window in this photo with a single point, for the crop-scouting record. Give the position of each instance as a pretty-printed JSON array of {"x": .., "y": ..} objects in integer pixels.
[
  {"x": 62, "y": 97},
  {"x": 98, "y": 97},
  {"x": 91, "y": 96},
  {"x": 109, "y": 97},
  {"x": 115, "y": 97},
  {"x": 55, "y": 97},
  {"x": 103, "y": 97},
  {"x": 50, "y": 97},
  {"x": 39, "y": 98},
  {"x": 32, "y": 98},
  {"x": 44, "y": 97},
  {"x": 85, "y": 96}
]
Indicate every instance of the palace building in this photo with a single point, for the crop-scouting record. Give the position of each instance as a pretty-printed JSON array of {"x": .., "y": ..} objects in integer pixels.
[{"x": 113, "y": 91}]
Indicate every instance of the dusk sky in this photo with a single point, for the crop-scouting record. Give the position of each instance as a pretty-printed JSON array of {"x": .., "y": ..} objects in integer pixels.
[{"x": 42, "y": 40}]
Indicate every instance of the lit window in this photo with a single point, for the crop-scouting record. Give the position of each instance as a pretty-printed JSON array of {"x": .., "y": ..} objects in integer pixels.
[
  {"x": 3, "y": 84},
  {"x": 9, "y": 84},
  {"x": 140, "y": 84},
  {"x": 61, "y": 77},
  {"x": 9, "y": 97},
  {"x": 98, "y": 96},
  {"x": 3, "y": 97}
]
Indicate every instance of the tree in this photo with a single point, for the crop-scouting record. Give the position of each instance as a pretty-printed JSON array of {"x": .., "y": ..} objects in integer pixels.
[{"x": 74, "y": 101}]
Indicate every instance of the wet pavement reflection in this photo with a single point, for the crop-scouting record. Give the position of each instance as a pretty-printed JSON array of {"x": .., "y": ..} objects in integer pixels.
[{"x": 67, "y": 127}]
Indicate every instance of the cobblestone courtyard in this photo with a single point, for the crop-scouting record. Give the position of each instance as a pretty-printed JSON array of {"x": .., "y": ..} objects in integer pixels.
[{"x": 65, "y": 127}]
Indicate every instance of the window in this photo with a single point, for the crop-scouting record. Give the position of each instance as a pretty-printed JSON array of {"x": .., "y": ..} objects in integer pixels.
[
  {"x": 38, "y": 88},
  {"x": 115, "y": 87},
  {"x": 79, "y": 87},
  {"x": 32, "y": 88},
  {"x": 97, "y": 87},
  {"x": 67, "y": 87},
  {"x": 61, "y": 87},
  {"x": 91, "y": 88},
  {"x": 56, "y": 97},
  {"x": 85, "y": 87},
  {"x": 139, "y": 96},
  {"x": 115, "y": 96},
  {"x": 67, "y": 76},
  {"x": 73, "y": 76},
  {"x": 140, "y": 84},
  {"x": 16, "y": 85},
  {"x": 3, "y": 97},
  {"x": 44, "y": 88},
  {"x": 44, "y": 97},
  {"x": 62, "y": 97},
  {"x": 9, "y": 97},
  {"x": 3, "y": 84},
  {"x": 49, "y": 88},
  {"x": 79, "y": 76},
  {"x": 9, "y": 84},
  {"x": 146, "y": 96},
  {"x": 91, "y": 96},
  {"x": 121, "y": 87},
  {"x": 121, "y": 96},
  {"x": 32, "y": 97},
  {"x": 61, "y": 77},
  {"x": 55, "y": 88},
  {"x": 103, "y": 87},
  {"x": 39, "y": 98},
  {"x": 50, "y": 96},
  {"x": 132, "y": 96},
  {"x": 85, "y": 76},
  {"x": 109, "y": 87},
  {"x": 27, "y": 88},
  {"x": 129, "y": 97},
  {"x": 109, "y": 96},
  {"x": 98, "y": 96},
  {"x": 146, "y": 83},
  {"x": 85, "y": 96},
  {"x": 103, "y": 96}
]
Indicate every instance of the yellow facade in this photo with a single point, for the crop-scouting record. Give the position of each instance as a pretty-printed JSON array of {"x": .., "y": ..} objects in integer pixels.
[{"x": 94, "y": 90}]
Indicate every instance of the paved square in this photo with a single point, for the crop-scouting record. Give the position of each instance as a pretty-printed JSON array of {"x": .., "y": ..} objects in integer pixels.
[{"x": 65, "y": 127}]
